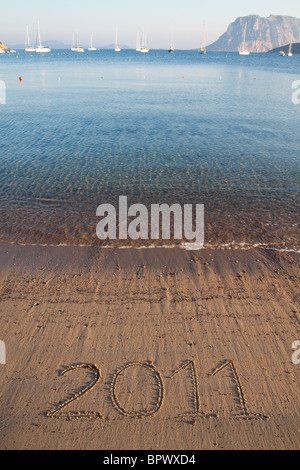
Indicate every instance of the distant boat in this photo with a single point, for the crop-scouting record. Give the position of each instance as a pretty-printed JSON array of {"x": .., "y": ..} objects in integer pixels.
[
  {"x": 117, "y": 47},
  {"x": 202, "y": 49},
  {"x": 290, "y": 54},
  {"x": 282, "y": 53},
  {"x": 28, "y": 47},
  {"x": 144, "y": 47},
  {"x": 244, "y": 51},
  {"x": 76, "y": 47},
  {"x": 40, "y": 47},
  {"x": 92, "y": 48},
  {"x": 12, "y": 50},
  {"x": 171, "y": 50}
]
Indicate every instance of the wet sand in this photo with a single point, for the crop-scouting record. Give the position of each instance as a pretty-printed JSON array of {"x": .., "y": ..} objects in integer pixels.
[{"x": 148, "y": 349}]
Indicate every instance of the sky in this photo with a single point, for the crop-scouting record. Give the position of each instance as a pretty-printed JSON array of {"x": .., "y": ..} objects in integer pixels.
[{"x": 59, "y": 19}]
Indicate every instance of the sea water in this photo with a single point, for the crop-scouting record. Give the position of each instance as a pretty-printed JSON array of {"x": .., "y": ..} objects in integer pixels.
[{"x": 81, "y": 130}]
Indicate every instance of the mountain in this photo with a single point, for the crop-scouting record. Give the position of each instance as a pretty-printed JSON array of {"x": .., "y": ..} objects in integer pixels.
[
  {"x": 295, "y": 49},
  {"x": 263, "y": 34}
]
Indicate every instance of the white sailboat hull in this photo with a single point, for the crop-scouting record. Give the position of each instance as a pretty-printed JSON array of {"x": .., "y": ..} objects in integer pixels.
[{"x": 42, "y": 49}]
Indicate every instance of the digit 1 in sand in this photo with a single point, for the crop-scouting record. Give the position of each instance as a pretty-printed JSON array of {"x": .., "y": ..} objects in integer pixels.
[
  {"x": 246, "y": 415},
  {"x": 196, "y": 397}
]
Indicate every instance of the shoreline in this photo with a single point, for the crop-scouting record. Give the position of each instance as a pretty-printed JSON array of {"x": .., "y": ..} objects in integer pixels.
[
  {"x": 161, "y": 326},
  {"x": 234, "y": 246}
]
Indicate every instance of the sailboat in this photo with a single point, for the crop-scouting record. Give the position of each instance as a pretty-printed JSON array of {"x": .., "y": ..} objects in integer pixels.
[
  {"x": 244, "y": 51},
  {"x": 202, "y": 49},
  {"x": 92, "y": 48},
  {"x": 138, "y": 42},
  {"x": 290, "y": 54},
  {"x": 117, "y": 48},
  {"x": 28, "y": 47},
  {"x": 39, "y": 47},
  {"x": 144, "y": 47},
  {"x": 171, "y": 50},
  {"x": 76, "y": 47}
]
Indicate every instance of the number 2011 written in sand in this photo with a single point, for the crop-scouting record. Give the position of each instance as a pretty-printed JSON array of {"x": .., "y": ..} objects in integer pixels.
[{"x": 244, "y": 413}]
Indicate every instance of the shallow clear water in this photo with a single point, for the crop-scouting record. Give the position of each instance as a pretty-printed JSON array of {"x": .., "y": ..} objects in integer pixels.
[{"x": 83, "y": 129}]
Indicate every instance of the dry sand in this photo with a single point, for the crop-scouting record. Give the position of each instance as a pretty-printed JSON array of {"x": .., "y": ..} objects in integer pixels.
[{"x": 166, "y": 352}]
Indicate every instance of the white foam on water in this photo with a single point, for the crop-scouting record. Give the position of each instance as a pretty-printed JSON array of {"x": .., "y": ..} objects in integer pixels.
[{"x": 223, "y": 246}]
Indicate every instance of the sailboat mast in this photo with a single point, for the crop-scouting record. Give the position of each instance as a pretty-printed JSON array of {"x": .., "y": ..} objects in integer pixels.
[
  {"x": 244, "y": 39},
  {"x": 242, "y": 50},
  {"x": 27, "y": 43},
  {"x": 117, "y": 47},
  {"x": 290, "y": 48},
  {"x": 39, "y": 44},
  {"x": 171, "y": 49},
  {"x": 143, "y": 38}
]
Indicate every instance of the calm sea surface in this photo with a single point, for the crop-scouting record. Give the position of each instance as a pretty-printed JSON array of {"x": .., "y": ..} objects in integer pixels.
[{"x": 84, "y": 129}]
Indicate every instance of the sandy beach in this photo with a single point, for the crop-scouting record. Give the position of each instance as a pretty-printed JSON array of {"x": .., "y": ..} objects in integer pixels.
[{"x": 148, "y": 349}]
